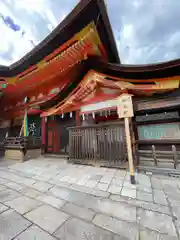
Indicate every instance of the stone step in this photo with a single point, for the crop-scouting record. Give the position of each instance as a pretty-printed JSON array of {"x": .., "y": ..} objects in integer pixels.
[
  {"x": 159, "y": 170},
  {"x": 59, "y": 156}
]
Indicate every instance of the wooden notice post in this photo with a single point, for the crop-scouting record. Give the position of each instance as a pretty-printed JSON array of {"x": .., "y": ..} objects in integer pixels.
[{"x": 125, "y": 110}]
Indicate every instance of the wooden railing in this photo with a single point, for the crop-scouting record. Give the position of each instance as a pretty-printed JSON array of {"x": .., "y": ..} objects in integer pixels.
[
  {"x": 22, "y": 142},
  {"x": 98, "y": 144},
  {"x": 159, "y": 153}
]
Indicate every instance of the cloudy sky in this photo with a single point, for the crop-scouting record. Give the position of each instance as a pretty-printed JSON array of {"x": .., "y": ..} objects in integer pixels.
[{"x": 145, "y": 31}]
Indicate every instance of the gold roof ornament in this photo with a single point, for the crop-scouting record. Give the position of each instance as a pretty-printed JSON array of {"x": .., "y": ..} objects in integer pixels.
[
  {"x": 41, "y": 64},
  {"x": 167, "y": 84},
  {"x": 12, "y": 80}
]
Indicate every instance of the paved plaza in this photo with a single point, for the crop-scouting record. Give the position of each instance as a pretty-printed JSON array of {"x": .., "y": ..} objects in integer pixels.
[{"x": 49, "y": 199}]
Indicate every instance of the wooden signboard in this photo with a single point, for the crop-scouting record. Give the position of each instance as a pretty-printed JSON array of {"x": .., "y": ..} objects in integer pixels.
[
  {"x": 100, "y": 106},
  {"x": 125, "y": 110},
  {"x": 125, "y": 106}
]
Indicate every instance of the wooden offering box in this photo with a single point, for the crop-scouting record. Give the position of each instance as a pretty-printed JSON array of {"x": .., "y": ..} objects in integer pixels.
[{"x": 22, "y": 148}]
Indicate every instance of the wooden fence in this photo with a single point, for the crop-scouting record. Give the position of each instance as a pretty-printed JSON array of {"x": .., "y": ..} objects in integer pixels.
[
  {"x": 102, "y": 144},
  {"x": 159, "y": 153}
]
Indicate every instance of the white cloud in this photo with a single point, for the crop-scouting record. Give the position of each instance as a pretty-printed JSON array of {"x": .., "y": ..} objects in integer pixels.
[
  {"x": 25, "y": 13},
  {"x": 174, "y": 39},
  {"x": 31, "y": 5},
  {"x": 50, "y": 16},
  {"x": 50, "y": 27},
  {"x": 4, "y": 9},
  {"x": 41, "y": 7},
  {"x": 22, "y": 46},
  {"x": 137, "y": 3},
  {"x": 127, "y": 43},
  {"x": 146, "y": 31},
  {"x": 5, "y": 36},
  {"x": 9, "y": 38}
]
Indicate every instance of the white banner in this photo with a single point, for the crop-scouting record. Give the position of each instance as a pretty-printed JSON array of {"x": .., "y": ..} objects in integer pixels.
[{"x": 94, "y": 107}]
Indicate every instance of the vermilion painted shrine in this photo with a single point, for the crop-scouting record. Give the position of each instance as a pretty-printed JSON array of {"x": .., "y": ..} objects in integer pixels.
[{"x": 71, "y": 82}]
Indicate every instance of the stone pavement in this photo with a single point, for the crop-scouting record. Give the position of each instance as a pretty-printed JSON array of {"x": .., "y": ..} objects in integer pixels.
[{"x": 49, "y": 199}]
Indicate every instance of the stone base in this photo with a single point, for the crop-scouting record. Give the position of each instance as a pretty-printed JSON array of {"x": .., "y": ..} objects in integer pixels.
[
  {"x": 14, "y": 154},
  {"x": 18, "y": 155}
]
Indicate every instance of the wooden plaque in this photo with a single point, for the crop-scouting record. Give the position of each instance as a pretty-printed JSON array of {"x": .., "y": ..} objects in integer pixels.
[{"x": 124, "y": 106}]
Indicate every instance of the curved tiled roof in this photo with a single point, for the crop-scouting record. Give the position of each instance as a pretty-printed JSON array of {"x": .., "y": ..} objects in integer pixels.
[{"x": 159, "y": 70}]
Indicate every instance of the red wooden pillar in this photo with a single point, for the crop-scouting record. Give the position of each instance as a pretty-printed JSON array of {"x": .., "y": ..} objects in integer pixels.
[
  {"x": 78, "y": 118},
  {"x": 43, "y": 133}
]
